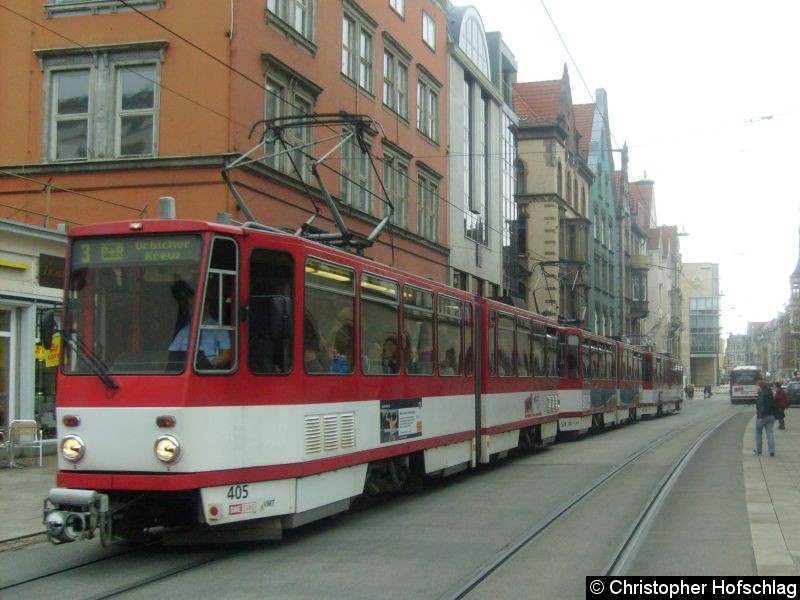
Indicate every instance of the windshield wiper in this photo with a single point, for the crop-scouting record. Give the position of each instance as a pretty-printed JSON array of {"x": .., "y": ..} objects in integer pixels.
[{"x": 90, "y": 359}]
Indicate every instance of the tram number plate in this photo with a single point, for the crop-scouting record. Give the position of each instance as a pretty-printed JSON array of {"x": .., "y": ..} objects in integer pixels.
[
  {"x": 238, "y": 492},
  {"x": 250, "y": 500}
]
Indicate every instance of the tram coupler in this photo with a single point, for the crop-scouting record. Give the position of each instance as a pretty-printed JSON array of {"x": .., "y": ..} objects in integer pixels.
[{"x": 71, "y": 515}]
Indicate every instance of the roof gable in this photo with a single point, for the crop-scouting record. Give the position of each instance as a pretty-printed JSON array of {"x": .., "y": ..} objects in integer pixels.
[
  {"x": 539, "y": 101},
  {"x": 584, "y": 120}
]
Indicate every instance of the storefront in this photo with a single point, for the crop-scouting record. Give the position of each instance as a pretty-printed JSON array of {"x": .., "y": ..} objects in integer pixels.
[{"x": 31, "y": 277}]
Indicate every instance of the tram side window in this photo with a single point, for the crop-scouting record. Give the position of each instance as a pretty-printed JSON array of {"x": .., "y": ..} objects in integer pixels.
[
  {"x": 571, "y": 353},
  {"x": 553, "y": 364},
  {"x": 608, "y": 362},
  {"x": 418, "y": 330},
  {"x": 492, "y": 349},
  {"x": 539, "y": 365},
  {"x": 612, "y": 363},
  {"x": 505, "y": 345},
  {"x": 329, "y": 316},
  {"x": 380, "y": 346},
  {"x": 269, "y": 312},
  {"x": 598, "y": 358},
  {"x": 523, "y": 353},
  {"x": 588, "y": 360},
  {"x": 449, "y": 336}
]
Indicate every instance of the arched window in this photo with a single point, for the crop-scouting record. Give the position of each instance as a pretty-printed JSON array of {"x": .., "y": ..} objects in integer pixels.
[
  {"x": 574, "y": 199},
  {"x": 473, "y": 41},
  {"x": 560, "y": 180}
]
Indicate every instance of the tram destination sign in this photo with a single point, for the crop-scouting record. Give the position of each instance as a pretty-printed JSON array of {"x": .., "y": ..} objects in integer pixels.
[{"x": 140, "y": 250}]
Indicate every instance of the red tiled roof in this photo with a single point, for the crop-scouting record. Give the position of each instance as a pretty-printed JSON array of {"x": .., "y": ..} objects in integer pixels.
[
  {"x": 617, "y": 186},
  {"x": 584, "y": 118},
  {"x": 540, "y": 101},
  {"x": 641, "y": 199},
  {"x": 654, "y": 239}
]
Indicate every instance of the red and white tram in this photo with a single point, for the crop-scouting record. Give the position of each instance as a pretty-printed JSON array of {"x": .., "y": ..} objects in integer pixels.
[
  {"x": 213, "y": 375},
  {"x": 519, "y": 393},
  {"x": 630, "y": 379},
  {"x": 589, "y": 398},
  {"x": 663, "y": 378}
]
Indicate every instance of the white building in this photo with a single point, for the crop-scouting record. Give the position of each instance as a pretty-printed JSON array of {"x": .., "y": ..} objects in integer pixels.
[
  {"x": 31, "y": 281},
  {"x": 482, "y": 211}
]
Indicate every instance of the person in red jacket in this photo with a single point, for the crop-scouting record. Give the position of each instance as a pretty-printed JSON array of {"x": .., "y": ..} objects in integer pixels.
[{"x": 782, "y": 400}]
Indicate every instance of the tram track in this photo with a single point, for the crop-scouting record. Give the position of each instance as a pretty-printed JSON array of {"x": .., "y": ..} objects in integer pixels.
[
  {"x": 623, "y": 556},
  {"x": 104, "y": 578},
  {"x": 166, "y": 574},
  {"x": 23, "y": 586},
  {"x": 626, "y": 551},
  {"x": 16, "y": 585}
]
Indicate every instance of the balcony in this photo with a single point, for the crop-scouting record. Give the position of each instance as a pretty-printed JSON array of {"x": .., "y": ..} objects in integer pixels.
[
  {"x": 639, "y": 309},
  {"x": 639, "y": 262}
]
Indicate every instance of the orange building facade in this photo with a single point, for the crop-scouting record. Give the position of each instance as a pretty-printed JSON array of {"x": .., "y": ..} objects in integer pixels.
[{"x": 108, "y": 105}]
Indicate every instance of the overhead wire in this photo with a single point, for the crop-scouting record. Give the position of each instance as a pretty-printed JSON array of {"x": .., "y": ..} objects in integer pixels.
[{"x": 583, "y": 80}]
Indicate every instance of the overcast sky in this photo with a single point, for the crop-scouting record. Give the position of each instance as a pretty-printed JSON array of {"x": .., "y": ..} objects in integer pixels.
[{"x": 705, "y": 93}]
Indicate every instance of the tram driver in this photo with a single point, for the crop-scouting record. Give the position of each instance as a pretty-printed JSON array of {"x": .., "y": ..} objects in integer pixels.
[{"x": 215, "y": 344}]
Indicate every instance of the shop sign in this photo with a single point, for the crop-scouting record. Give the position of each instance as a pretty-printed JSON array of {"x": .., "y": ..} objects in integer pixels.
[
  {"x": 51, "y": 271},
  {"x": 49, "y": 356}
]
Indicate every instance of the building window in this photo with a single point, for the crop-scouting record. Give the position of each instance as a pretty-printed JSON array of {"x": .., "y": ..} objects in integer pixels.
[
  {"x": 559, "y": 180},
  {"x": 428, "y": 109},
  {"x": 74, "y": 8},
  {"x": 427, "y": 205},
  {"x": 473, "y": 43},
  {"x": 136, "y": 108},
  {"x": 101, "y": 102},
  {"x": 356, "y": 180},
  {"x": 428, "y": 30},
  {"x": 70, "y": 114},
  {"x": 395, "y": 80},
  {"x": 476, "y": 147},
  {"x": 469, "y": 205},
  {"x": 293, "y": 16},
  {"x": 570, "y": 197},
  {"x": 398, "y": 6},
  {"x": 638, "y": 289},
  {"x": 358, "y": 31},
  {"x": 288, "y": 94},
  {"x": 395, "y": 179}
]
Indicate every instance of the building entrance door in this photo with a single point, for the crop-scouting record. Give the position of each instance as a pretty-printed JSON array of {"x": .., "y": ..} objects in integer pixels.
[{"x": 6, "y": 366}]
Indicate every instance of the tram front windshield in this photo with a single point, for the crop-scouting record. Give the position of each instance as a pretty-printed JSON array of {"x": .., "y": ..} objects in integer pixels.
[{"x": 128, "y": 298}]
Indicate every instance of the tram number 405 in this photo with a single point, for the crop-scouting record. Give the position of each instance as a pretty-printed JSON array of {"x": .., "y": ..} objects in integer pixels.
[{"x": 238, "y": 492}]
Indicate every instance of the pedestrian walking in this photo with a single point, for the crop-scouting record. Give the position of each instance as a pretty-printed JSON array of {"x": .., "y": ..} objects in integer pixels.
[
  {"x": 781, "y": 404},
  {"x": 765, "y": 417}
]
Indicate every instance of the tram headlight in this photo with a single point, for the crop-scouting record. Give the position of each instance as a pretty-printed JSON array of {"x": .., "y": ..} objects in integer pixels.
[
  {"x": 72, "y": 448},
  {"x": 167, "y": 449}
]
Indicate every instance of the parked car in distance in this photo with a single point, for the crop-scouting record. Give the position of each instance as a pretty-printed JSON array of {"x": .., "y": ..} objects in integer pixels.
[{"x": 793, "y": 391}]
